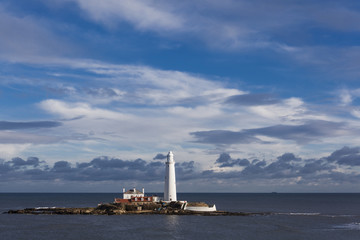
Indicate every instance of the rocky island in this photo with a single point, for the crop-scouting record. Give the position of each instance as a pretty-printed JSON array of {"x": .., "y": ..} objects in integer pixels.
[{"x": 161, "y": 208}]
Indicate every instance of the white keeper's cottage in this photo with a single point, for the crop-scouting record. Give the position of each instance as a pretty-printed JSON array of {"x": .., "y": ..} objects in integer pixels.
[{"x": 131, "y": 193}]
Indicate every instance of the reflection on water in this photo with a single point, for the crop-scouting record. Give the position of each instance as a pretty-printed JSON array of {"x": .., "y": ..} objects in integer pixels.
[
  {"x": 172, "y": 225},
  {"x": 172, "y": 221}
]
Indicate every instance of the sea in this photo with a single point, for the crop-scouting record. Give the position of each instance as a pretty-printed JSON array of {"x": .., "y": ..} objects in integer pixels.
[{"x": 293, "y": 216}]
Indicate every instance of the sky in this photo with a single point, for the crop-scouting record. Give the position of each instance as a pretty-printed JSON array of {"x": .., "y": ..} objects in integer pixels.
[{"x": 251, "y": 96}]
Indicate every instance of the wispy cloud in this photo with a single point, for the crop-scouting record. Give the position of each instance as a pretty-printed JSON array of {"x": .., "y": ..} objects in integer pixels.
[
  {"x": 140, "y": 102},
  {"x": 224, "y": 137},
  {"x": 227, "y": 25},
  {"x": 28, "y": 37},
  {"x": 5, "y": 125},
  {"x": 154, "y": 15},
  {"x": 302, "y": 134},
  {"x": 77, "y": 110},
  {"x": 252, "y": 99}
]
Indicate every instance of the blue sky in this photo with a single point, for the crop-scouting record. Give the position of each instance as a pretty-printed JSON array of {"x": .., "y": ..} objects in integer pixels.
[{"x": 251, "y": 96}]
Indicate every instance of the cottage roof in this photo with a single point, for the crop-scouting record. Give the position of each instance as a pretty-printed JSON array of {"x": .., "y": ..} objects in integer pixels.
[{"x": 131, "y": 191}]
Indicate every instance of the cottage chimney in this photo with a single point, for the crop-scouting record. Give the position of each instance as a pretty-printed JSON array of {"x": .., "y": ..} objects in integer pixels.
[
  {"x": 123, "y": 190},
  {"x": 134, "y": 190},
  {"x": 143, "y": 190}
]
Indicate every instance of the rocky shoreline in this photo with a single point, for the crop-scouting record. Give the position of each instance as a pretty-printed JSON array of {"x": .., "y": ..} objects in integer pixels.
[{"x": 120, "y": 209}]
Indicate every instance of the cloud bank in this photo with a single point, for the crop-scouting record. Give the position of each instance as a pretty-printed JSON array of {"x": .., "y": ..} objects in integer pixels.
[{"x": 297, "y": 171}]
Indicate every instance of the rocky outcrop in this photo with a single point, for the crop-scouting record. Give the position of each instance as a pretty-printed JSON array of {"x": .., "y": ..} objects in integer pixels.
[{"x": 121, "y": 209}]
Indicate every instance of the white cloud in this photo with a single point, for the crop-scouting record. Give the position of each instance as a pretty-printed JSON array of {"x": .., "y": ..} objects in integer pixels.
[
  {"x": 145, "y": 15},
  {"x": 67, "y": 110},
  {"x": 288, "y": 111},
  {"x": 154, "y": 110},
  {"x": 146, "y": 85},
  {"x": 356, "y": 113},
  {"x": 179, "y": 19},
  {"x": 223, "y": 25},
  {"x": 8, "y": 151},
  {"x": 345, "y": 97}
]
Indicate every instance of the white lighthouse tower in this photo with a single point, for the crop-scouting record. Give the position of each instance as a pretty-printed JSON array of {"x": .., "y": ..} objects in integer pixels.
[{"x": 170, "y": 180}]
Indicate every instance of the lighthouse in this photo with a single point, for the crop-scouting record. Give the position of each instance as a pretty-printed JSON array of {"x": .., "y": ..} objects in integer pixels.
[{"x": 170, "y": 180}]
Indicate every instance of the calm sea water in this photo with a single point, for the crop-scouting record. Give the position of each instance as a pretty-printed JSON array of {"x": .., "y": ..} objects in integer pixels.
[{"x": 296, "y": 216}]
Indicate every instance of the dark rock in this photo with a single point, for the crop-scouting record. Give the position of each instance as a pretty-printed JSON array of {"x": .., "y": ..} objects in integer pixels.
[{"x": 173, "y": 208}]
